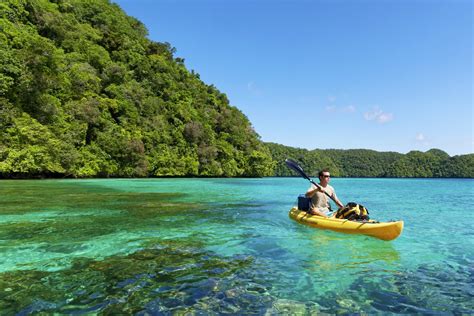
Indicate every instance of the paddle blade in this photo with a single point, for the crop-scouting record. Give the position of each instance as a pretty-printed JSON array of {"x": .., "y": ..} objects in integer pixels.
[{"x": 294, "y": 166}]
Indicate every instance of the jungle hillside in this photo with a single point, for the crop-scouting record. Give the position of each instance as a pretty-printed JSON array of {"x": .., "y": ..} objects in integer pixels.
[{"x": 85, "y": 93}]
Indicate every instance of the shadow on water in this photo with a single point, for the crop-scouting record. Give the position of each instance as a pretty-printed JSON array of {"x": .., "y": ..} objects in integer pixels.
[{"x": 353, "y": 251}]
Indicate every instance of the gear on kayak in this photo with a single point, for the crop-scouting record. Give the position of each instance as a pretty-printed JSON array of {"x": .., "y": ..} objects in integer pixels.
[{"x": 353, "y": 212}]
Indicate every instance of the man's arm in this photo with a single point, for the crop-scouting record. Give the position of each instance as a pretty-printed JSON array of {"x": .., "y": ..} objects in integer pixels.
[{"x": 311, "y": 192}]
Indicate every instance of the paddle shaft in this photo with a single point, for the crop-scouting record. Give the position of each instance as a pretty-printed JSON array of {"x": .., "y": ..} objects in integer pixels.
[
  {"x": 294, "y": 166},
  {"x": 322, "y": 190}
]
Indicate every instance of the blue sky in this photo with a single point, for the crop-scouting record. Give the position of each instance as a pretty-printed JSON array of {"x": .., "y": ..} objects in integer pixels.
[{"x": 385, "y": 75}]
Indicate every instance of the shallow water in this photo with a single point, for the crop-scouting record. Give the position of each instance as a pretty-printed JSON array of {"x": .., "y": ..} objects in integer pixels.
[{"x": 165, "y": 246}]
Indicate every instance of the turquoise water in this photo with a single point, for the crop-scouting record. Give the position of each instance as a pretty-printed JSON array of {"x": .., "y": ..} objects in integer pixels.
[{"x": 206, "y": 246}]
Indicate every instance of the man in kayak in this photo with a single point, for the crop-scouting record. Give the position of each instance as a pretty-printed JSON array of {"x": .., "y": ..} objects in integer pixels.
[{"x": 319, "y": 200}]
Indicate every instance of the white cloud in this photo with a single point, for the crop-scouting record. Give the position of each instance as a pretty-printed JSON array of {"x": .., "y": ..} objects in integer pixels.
[
  {"x": 420, "y": 137},
  {"x": 349, "y": 109},
  {"x": 336, "y": 109},
  {"x": 331, "y": 98},
  {"x": 422, "y": 140},
  {"x": 376, "y": 114},
  {"x": 385, "y": 117}
]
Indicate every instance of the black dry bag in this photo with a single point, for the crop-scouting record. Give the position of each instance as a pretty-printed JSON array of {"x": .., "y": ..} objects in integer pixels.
[{"x": 353, "y": 211}]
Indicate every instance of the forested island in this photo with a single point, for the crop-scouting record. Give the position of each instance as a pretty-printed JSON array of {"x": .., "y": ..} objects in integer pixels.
[
  {"x": 365, "y": 163},
  {"x": 85, "y": 93}
]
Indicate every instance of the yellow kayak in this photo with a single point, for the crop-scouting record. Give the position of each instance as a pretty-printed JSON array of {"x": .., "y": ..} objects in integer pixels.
[{"x": 385, "y": 231}]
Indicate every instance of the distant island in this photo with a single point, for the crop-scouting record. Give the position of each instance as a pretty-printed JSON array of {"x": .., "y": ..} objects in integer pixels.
[
  {"x": 365, "y": 163},
  {"x": 85, "y": 93}
]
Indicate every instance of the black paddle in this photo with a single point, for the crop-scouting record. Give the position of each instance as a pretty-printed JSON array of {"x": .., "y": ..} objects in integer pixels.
[{"x": 294, "y": 166}]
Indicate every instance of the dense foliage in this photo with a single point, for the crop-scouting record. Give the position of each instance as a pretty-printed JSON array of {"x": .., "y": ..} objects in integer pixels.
[
  {"x": 84, "y": 93},
  {"x": 368, "y": 163}
]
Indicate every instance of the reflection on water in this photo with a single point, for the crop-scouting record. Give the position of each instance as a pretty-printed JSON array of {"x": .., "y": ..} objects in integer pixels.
[
  {"x": 225, "y": 246},
  {"x": 358, "y": 249}
]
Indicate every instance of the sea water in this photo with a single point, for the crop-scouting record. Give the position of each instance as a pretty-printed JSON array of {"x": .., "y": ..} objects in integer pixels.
[{"x": 213, "y": 246}]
